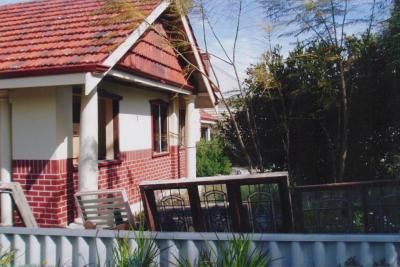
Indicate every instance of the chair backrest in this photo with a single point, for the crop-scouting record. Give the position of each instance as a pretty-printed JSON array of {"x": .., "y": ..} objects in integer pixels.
[{"x": 105, "y": 208}]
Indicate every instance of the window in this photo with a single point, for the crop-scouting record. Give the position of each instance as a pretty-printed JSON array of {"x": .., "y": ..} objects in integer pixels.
[
  {"x": 204, "y": 133},
  {"x": 159, "y": 114},
  {"x": 108, "y": 131},
  {"x": 182, "y": 124}
]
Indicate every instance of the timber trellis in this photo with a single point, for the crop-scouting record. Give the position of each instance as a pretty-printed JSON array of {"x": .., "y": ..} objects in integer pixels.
[
  {"x": 262, "y": 204},
  {"x": 243, "y": 203}
]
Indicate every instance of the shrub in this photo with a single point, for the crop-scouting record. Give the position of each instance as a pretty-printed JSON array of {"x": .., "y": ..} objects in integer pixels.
[{"x": 211, "y": 159}]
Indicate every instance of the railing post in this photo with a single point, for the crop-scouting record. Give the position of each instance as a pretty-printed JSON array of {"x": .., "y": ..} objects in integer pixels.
[
  {"x": 150, "y": 208},
  {"x": 286, "y": 204},
  {"x": 298, "y": 210},
  {"x": 235, "y": 206},
  {"x": 195, "y": 207}
]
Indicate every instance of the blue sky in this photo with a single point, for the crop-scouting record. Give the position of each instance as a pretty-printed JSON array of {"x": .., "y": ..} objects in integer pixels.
[
  {"x": 9, "y": 1},
  {"x": 253, "y": 37}
]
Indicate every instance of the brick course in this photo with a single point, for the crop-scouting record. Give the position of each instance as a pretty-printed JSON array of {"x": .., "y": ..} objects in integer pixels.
[{"x": 49, "y": 185}]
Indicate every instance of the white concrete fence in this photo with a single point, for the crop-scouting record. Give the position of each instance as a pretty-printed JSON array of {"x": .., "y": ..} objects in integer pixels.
[{"x": 65, "y": 247}]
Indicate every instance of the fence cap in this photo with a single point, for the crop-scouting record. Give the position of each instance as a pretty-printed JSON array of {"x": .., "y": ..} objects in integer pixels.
[{"x": 216, "y": 179}]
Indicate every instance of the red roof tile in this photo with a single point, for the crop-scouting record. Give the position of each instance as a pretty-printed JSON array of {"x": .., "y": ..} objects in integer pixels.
[
  {"x": 154, "y": 56},
  {"x": 42, "y": 35},
  {"x": 206, "y": 116}
]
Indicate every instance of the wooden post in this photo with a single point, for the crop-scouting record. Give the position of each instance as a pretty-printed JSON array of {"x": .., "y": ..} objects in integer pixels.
[
  {"x": 195, "y": 206},
  {"x": 235, "y": 206},
  {"x": 287, "y": 213},
  {"x": 150, "y": 208}
]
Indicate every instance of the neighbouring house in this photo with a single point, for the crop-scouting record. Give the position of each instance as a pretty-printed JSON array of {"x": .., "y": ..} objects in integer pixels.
[
  {"x": 207, "y": 124},
  {"x": 86, "y": 104}
]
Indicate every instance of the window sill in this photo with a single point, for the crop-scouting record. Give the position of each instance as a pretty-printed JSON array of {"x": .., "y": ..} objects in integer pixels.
[
  {"x": 110, "y": 162},
  {"x": 160, "y": 154},
  {"x": 102, "y": 163}
]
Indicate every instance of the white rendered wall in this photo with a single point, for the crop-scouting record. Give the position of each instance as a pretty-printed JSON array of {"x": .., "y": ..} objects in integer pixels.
[
  {"x": 197, "y": 124},
  {"x": 135, "y": 115},
  {"x": 5, "y": 157},
  {"x": 42, "y": 120},
  {"x": 41, "y": 123}
]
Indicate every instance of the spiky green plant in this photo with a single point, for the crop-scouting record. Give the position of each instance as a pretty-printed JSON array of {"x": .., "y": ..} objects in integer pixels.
[
  {"x": 7, "y": 257},
  {"x": 144, "y": 255},
  {"x": 204, "y": 260},
  {"x": 237, "y": 252}
]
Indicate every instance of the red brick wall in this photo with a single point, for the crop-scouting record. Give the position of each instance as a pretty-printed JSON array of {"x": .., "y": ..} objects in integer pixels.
[
  {"x": 50, "y": 185},
  {"x": 46, "y": 184}
]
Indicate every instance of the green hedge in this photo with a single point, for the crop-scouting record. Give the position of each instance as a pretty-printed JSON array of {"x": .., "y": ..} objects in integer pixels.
[{"x": 211, "y": 159}]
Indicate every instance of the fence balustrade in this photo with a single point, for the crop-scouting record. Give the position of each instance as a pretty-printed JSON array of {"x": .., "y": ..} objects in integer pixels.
[{"x": 78, "y": 248}]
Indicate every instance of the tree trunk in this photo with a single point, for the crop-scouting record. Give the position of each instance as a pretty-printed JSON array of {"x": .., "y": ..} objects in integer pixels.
[
  {"x": 344, "y": 124},
  {"x": 255, "y": 137},
  {"x": 238, "y": 134},
  {"x": 332, "y": 152}
]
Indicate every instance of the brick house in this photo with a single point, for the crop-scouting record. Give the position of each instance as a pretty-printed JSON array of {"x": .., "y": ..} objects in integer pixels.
[{"x": 87, "y": 105}]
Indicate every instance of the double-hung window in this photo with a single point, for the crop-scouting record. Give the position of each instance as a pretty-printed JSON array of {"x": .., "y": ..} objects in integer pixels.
[
  {"x": 108, "y": 125},
  {"x": 159, "y": 114}
]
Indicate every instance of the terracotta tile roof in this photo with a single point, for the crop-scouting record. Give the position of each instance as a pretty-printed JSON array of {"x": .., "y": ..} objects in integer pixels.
[
  {"x": 206, "y": 116},
  {"x": 46, "y": 36},
  {"x": 152, "y": 55}
]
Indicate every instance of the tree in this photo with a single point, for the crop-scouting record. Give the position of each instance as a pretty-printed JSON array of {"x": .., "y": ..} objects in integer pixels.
[
  {"x": 300, "y": 94},
  {"x": 325, "y": 21}
]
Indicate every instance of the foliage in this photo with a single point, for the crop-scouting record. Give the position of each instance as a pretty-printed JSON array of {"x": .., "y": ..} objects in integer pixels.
[
  {"x": 143, "y": 255},
  {"x": 297, "y": 107},
  {"x": 211, "y": 159},
  {"x": 7, "y": 257},
  {"x": 237, "y": 252}
]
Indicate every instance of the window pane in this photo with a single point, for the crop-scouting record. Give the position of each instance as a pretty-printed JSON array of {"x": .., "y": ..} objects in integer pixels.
[
  {"x": 164, "y": 127},
  {"x": 76, "y": 109},
  {"x": 182, "y": 115},
  {"x": 106, "y": 129},
  {"x": 102, "y": 129},
  {"x": 156, "y": 128}
]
